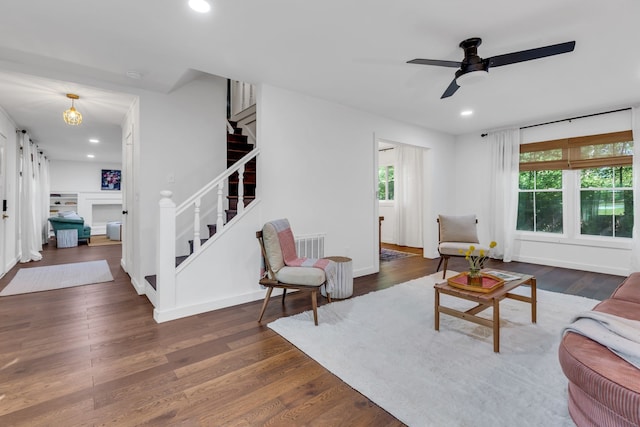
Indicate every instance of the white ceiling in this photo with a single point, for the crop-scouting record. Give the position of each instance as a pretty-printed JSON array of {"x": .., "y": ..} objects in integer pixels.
[{"x": 349, "y": 52}]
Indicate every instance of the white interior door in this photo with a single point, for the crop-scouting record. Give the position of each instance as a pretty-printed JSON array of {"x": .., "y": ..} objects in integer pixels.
[
  {"x": 3, "y": 198},
  {"x": 127, "y": 203}
]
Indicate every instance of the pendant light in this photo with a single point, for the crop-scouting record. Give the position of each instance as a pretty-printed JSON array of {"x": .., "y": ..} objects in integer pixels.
[{"x": 72, "y": 116}]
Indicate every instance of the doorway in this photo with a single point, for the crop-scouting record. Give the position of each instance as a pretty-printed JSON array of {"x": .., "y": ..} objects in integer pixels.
[{"x": 401, "y": 184}]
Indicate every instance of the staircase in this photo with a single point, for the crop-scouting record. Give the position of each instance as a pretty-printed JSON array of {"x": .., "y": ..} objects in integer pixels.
[{"x": 237, "y": 148}]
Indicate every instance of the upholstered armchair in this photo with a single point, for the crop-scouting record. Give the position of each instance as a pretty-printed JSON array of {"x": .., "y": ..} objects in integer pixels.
[
  {"x": 71, "y": 222},
  {"x": 284, "y": 270},
  {"x": 457, "y": 233}
]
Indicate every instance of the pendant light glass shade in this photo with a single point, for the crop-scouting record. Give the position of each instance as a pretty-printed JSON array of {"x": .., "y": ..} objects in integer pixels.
[{"x": 72, "y": 116}]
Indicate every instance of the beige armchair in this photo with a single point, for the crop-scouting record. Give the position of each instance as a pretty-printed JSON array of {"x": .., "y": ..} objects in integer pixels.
[
  {"x": 456, "y": 233},
  {"x": 279, "y": 275}
]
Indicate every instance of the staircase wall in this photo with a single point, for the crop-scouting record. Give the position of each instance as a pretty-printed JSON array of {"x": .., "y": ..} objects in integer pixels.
[
  {"x": 224, "y": 274},
  {"x": 182, "y": 146}
]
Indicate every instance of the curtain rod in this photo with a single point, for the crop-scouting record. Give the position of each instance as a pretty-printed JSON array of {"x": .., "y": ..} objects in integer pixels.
[
  {"x": 569, "y": 119},
  {"x": 577, "y": 117}
]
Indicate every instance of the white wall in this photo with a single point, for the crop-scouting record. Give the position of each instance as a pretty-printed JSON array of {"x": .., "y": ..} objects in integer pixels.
[
  {"x": 473, "y": 151},
  {"x": 77, "y": 177},
  {"x": 318, "y": 168},
  {"x": 182, "y": 138}
]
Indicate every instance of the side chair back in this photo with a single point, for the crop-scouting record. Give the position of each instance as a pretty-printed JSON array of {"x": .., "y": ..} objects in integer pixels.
[{"x": 456, "y": 233}]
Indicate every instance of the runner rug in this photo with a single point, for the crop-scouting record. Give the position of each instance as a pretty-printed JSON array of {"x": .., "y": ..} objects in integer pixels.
[
  {"x": 37, "y": 279},
  {"x": 384, "y": 345},
  {"x": 390, "y": 254}
]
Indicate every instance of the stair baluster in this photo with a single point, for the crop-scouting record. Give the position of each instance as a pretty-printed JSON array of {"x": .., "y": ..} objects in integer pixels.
[
  {"x": 241, "y": 189},
  {"x": 196, "y": 225},
  {"x": 220, "y": 221}
]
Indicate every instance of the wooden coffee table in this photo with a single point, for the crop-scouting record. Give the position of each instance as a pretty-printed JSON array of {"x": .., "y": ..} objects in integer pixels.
[{"x": 485, "y": 300}]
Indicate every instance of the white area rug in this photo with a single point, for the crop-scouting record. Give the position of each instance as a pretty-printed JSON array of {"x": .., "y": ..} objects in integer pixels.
[
  {"x": 384, "y": 345},
  {"x": 38, "y": 279}
]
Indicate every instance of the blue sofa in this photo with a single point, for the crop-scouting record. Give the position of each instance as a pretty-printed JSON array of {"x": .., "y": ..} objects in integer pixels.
[{"x": 71, "y": 223}]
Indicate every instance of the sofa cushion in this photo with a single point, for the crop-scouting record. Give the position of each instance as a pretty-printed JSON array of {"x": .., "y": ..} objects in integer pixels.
[
  {"x": 621, "y": 308},
  {"x": 629, "y": 289},
  {"x": 603, "y": 376}
]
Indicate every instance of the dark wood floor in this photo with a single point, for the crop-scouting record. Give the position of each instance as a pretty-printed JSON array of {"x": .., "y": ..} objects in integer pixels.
[{"x": 92, "y": 355}]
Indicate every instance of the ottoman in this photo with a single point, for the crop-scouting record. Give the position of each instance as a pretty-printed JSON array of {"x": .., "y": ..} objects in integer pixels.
[{"x": 113, "y": 230}]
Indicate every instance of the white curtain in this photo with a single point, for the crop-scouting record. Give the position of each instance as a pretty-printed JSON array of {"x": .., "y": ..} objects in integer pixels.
[
  {"x": 45, "y": 189},
  {"x": 408, "y": 195},
  {"x": 30, "y": 203},
  {"x": 503, "y": 195},
  {"x": 635, "y": 241}
]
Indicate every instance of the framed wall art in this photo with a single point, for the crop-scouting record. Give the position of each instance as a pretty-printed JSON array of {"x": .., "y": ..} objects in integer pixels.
[{"x": 110, "y": 179}]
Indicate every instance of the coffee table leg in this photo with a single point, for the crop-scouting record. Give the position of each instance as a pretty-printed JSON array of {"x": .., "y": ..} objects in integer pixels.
[
  {"x": 534, "y": 300},
  {"x": 496, "y": 325},
  {"x": 437, "y": 310}
]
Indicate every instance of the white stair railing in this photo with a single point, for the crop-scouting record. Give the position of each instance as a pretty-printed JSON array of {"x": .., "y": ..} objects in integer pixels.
[{"x": 168, "y": 218}]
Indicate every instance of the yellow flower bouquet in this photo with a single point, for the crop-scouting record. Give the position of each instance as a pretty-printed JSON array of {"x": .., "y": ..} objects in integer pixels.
[{"x": 476, "y": 262}]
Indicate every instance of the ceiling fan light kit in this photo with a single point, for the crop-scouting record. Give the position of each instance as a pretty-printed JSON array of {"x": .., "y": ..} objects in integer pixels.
[
  {"x": 72, "y": 116},
  {"x": 473, "y": 68}
]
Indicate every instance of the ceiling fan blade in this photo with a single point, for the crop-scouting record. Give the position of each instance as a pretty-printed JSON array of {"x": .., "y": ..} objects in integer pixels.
[
  {"x": 453, "y": 87},
  {"x": 437, "y": 62},
  {"x": 528, "y": 55}
]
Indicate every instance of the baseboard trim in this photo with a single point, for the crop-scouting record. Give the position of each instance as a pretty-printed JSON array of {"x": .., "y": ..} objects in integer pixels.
[
  {"x": 574, "y": 265},
  {"x": 140, "y": 289},
  {"x": 191, "y": 310}
]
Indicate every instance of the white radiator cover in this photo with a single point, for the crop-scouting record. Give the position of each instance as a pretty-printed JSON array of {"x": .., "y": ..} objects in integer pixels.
[{"x": 310, "y": 245}]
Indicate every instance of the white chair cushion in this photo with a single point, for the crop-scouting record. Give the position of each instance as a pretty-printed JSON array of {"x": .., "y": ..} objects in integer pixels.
[
  {"x": 458, "y": 228},
  {"x": 453, "y": 248},
  {"x": 272, "y": 247},
  {"x": 308, "y": 276}
]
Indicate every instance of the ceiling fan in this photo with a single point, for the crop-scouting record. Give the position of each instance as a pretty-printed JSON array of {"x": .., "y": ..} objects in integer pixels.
[{"x": 474, "y": 68}]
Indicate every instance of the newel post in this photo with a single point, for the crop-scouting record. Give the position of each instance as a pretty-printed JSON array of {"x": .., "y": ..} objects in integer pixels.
[{"x": 166, "y": 256}]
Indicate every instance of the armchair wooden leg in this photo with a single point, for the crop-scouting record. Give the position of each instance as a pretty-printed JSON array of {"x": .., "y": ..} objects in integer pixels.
[
  {"x": 446, "y": 261},
  {"x": 284, "y": 294},
  {"x": 440, "y": 263},
  {"x": 328, "y": 297},
  {"x": 264, "y": 304},
  {"x": 314, "y": 304}
]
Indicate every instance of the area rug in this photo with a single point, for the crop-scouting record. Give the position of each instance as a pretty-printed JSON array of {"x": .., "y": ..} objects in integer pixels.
[
  {"x": 384, "y": 345},
  {"x": 102, "y": 240},
  {"x": 37, "y": 279},
  {"x": 390, "y": 254}
]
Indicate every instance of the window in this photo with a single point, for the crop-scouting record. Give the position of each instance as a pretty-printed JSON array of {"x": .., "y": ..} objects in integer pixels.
[
  {"x": 577, "y": 186},
  {"x": 385, "y": 183},
  {"x": 540, "y": 201},
  {"x": 606, "y": 201}
]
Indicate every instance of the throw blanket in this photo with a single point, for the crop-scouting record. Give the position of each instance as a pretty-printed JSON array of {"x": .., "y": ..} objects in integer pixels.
[
  {"x": 291, "y": 259},
  {"x": 620, "y": 335}
]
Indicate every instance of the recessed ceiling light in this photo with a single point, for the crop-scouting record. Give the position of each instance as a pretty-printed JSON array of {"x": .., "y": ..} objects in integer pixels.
[
  {"x": 466, "y": 112},
  {"x": 200, "y": 6},
  {"x": 132, "y": 74},
  {"x": 93, "y": 140},
  {"x": 91, "y": 156}
]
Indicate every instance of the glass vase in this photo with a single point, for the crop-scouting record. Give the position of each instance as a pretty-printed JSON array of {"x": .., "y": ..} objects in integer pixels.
[{"x": 474, "y": 278}]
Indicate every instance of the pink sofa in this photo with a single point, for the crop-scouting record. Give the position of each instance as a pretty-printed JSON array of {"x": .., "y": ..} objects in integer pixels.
[{"x": 604, "y": 390}]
